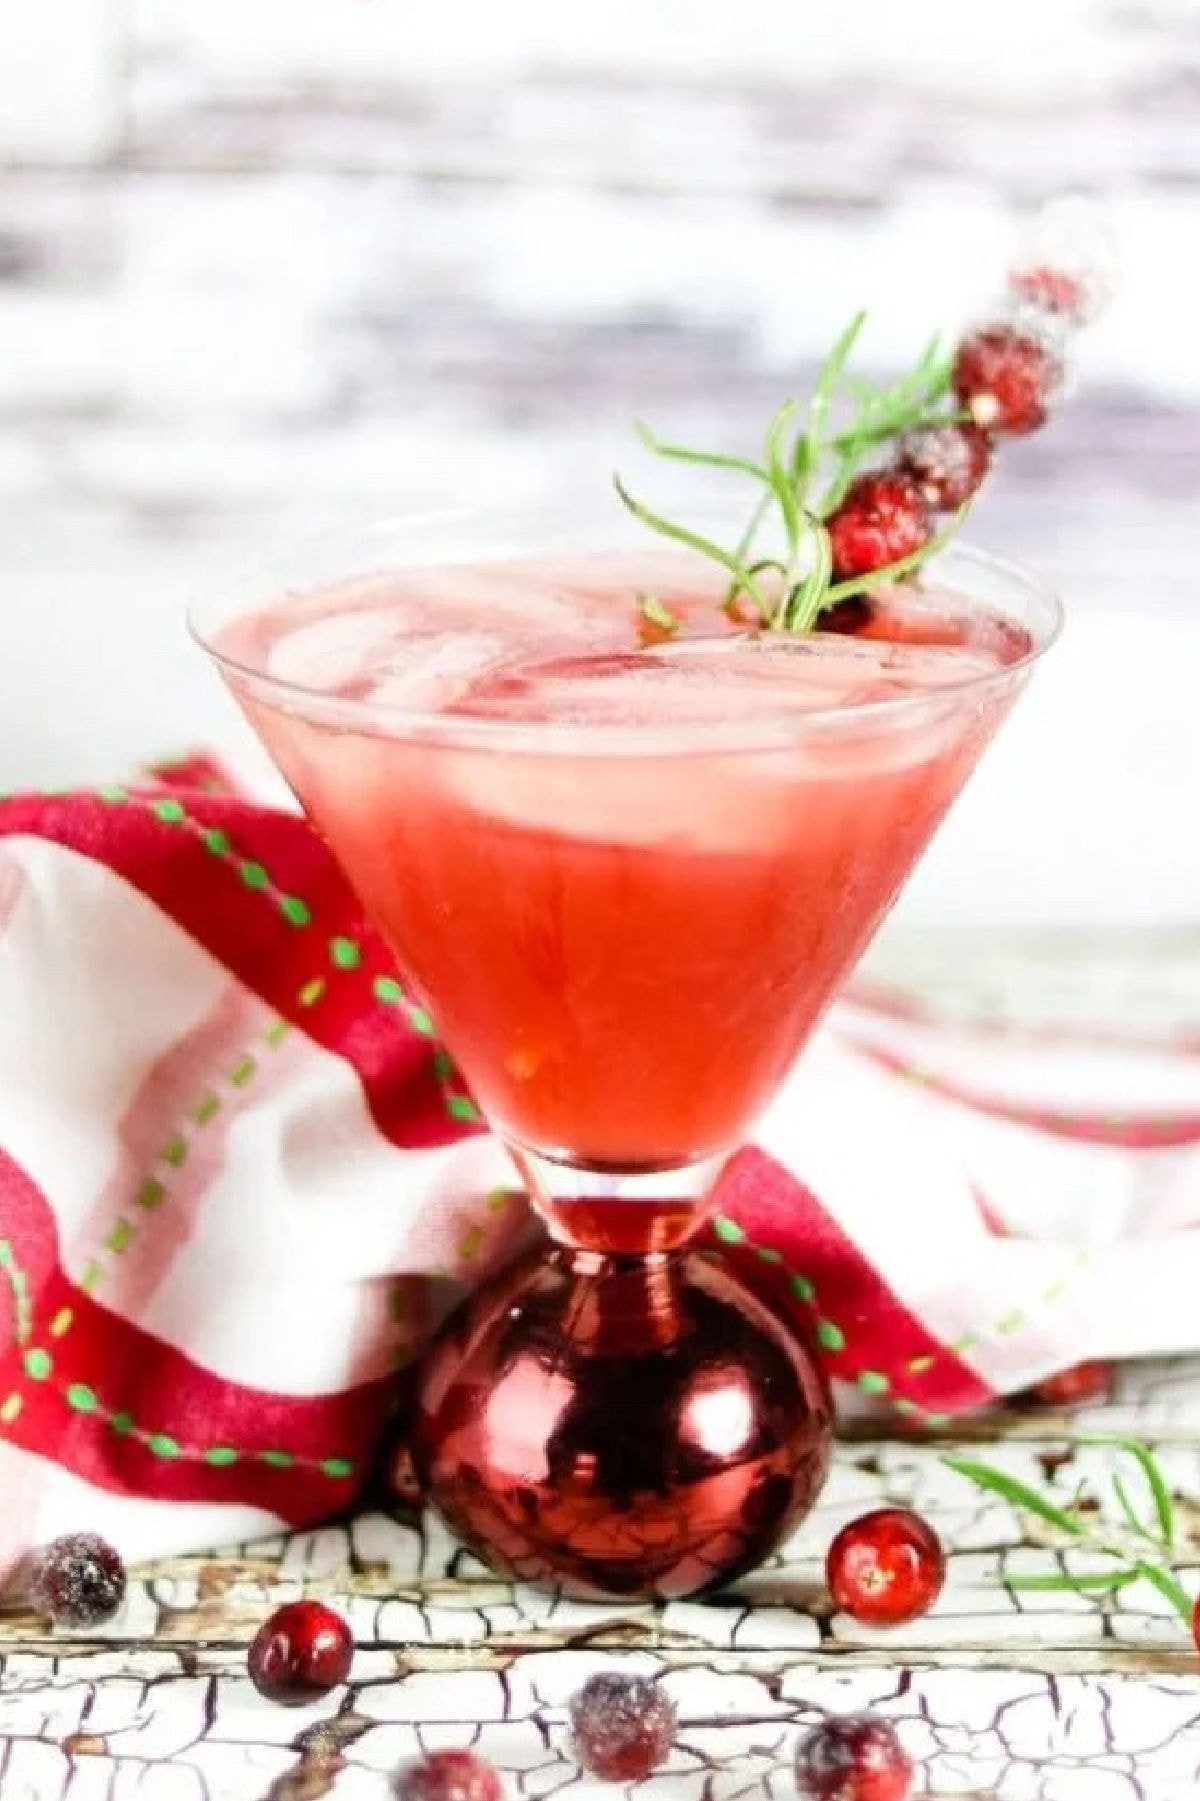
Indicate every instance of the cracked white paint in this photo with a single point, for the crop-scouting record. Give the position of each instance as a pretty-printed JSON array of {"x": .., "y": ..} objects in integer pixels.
[
  {"x": 1011, "y": 1733},
  {"x": 1029, "y": 1697}
]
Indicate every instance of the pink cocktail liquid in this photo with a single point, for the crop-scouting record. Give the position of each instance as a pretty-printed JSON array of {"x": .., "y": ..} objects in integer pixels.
[{"x": 626, "y": 881}]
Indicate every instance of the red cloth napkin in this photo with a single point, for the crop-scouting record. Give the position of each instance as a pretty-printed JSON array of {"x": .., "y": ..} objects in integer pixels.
[{"x": 241, "y": 1181}]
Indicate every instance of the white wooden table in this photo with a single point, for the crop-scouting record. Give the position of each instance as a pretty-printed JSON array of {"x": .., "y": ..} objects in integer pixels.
[
  {"x": 1058, "y": 1697},
  {"x": 1050, "y": 1699},
  {"x": 1037, "y": 1695}
]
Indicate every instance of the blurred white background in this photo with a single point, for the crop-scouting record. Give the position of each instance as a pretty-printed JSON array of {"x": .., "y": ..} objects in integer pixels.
[{"x": 272, "y": 265}]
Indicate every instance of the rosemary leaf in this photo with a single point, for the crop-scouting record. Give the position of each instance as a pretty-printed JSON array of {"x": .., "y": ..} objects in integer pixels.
[
  {"x": 914, "y": 400},
  {"x": 808, "y": 448},
  {"x": 768, "y": 613},
  {"x": 708, "y": 459},
  {"x": 1019, "y": 1493},
  {"x": 681, "y": 534},
  {"x": 1160, "y": 1494},
  {"x": 1088, "y": 1582},
  {"x": 783, "y": 483},
  {"x": 1167, "y": 1586},
  {"x": 1164, "y": 1507},
  {"x": 746, "y": 541},
  {"x": 804, "y": 603},
  {"x": 1133, "y": 1565},
  {"x": 852, "y": 458},
  {"x": 1127, "y": 1507}
]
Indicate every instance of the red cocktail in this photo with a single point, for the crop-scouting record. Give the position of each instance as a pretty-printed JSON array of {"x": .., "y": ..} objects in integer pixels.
[{"x": 626, "y": 879}]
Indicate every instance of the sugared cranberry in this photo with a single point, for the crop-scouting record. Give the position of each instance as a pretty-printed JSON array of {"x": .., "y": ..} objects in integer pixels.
[
  {"x": 448, "y": 1776},
  {"x": 881, "y": 519},
  {"x": 853, "y": 1758},
  {"x": 77, "y": 1580},
  {"x": 886, "y": 1567},
  {"x": 1076, "y": 1386},
  {"x": 1006, "y": 379},
  {"x": 947, "y": 462},
  {"x": 1075, "y": 295},
  {"x": 300, "y": 1653},
  {"x": 1069, "y": 262},
  {"x": 622, "y": 1727}
]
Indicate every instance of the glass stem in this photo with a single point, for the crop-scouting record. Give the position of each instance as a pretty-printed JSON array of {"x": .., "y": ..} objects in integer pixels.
[{"x": 618, "y": 1212}]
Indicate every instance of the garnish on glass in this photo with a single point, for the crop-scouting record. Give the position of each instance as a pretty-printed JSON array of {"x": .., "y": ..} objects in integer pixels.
[
  {"x": 1140, "y": 1538},
  {"x": 850, "y": 487}
]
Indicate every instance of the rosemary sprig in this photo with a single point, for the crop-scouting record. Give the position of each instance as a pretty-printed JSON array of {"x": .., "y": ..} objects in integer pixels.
[
  {"x": 743, "y": 575},
  {"x": 707, "y": 459},
  {"x": 1142, "y": 1543},
  {"x": 809, "y": 459},
  {"x": 808, "y": 453},
  {"x": 886, "y": 412}
]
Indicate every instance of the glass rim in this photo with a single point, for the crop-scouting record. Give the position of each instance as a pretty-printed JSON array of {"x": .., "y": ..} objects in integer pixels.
[{"x": 394, "y": 719}]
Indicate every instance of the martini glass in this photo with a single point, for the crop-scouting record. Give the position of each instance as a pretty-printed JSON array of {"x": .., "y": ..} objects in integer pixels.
[{"x": 625, "y": 879}]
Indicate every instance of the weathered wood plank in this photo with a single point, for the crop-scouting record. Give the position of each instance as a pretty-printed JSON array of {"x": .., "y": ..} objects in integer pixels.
[
  {"x": 639, "y": 101},
  {"x": 1052, "y": 1693},
  {"x": 62, "y": 81},
  {"x": 166, "y": 1727},
  {"x": 406, "y": 1584},
  {"x": 1129, "y": 982}
]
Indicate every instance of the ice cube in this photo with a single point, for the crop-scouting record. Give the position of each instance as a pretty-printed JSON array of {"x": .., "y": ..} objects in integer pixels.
[
  {"x": 336, "y": 648},
  {"x": 431, "y": 668},
  {"x": 799, "y": 706},
  {"x": 337, "y": 639},
  {"x": 713, "y": 681}
]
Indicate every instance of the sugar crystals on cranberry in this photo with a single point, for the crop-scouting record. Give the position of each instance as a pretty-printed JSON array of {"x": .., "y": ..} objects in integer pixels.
[
  {"x": 881, "y": 519},
  {"x": 448, "y": 1776},
  {"x": 1006, "y": 379},
  {"x": 622, "y": 1727},
  {"x": 77, "y": 1580},
  {"x": 948, "y": 462},
  {"x": 853, "y": 1757},
  {"x": 1068, "y": 265},
  {"x": 1062, "y": 292}
]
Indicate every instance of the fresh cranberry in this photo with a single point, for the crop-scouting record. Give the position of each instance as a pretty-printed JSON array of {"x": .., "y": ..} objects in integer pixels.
[
  {"x": 881, "y": 519},
  {"x": 1076, "y": 1386},
  {"x": 886, "y": 1567},
  {"x": 1005, "y": 379},
  {"x": 623, "y": 1727},
  {"x": 1196, "y": 1623},
  {"x": 77, "y": 1580},
  {"x": 449, "y": 1776},
  {"x": 300, "y": 1653},
  {"x": 854, "y": 1757},
  {"x": 947, "y": 462},
  {"x": 848, "y": 616}
]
